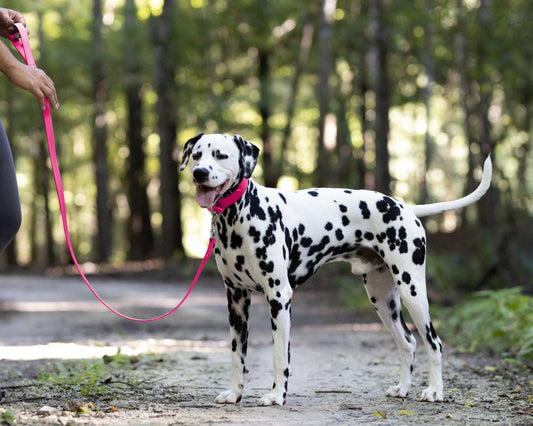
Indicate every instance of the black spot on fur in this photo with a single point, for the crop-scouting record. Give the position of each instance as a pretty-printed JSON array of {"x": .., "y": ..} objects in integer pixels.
[
  {"x": 236, "y": 240},
  {"x": 389, "y": 208},
  {"x": 320, "y": 246},
  {"x": 419, "y": 255},
  {"x": 306, "y": 242},
  {"x": 255, "y": 234},
  {"x": 365, "y": 212},
  {"x": 275, "y": 307}
]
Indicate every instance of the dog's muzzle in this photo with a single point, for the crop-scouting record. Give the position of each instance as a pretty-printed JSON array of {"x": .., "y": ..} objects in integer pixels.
[{"x": 207, "y": 196}]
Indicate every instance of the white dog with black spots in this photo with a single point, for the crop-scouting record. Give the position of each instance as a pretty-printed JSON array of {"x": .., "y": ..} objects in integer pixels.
[{"x": 272, "y": 241}]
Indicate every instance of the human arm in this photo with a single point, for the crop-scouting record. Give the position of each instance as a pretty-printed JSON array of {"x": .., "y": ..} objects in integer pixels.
[{"x": 28, "y": 78}]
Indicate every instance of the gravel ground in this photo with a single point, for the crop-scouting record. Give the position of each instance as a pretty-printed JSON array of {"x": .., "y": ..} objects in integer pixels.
[{"x": 342, "y": 362}]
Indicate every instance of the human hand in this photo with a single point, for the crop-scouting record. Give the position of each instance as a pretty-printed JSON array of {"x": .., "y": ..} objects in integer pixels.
[
  {"x": 8, "y": 19},
  {"x": 35, "y": 81}
]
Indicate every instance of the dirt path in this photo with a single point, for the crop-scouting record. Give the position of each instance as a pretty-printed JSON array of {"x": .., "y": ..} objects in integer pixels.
[{"x": 341, "y": 364}]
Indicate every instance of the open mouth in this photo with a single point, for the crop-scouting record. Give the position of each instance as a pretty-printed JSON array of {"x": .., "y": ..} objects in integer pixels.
[{"x": 207, "y": 196}]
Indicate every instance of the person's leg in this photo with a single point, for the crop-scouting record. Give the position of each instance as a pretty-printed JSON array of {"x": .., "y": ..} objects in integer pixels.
[{"x": 10, "y": 214}]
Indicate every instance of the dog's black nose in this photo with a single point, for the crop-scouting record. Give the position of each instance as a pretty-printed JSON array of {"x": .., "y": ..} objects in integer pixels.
[{"x": 200, "y": 175}]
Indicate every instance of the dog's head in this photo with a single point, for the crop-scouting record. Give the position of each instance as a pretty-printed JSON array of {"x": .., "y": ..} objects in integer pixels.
[{"x": 218, "y": 163}]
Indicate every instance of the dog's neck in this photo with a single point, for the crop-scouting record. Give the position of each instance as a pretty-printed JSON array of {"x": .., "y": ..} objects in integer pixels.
[{"x": 227, "y": 201}]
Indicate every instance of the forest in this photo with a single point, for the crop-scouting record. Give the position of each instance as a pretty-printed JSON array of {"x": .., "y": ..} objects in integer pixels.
[{"x": 406, "y": 97}]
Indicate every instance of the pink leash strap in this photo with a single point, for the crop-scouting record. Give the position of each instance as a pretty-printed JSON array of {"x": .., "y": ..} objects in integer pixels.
[{"x": 23, "y": 47}]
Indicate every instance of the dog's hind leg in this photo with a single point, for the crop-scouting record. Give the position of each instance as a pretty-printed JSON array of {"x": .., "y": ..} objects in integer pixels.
[
  {"x": 415, "y": 300},
  {"x": 238, "y": 307},
  {"x": 383, "y": 294}
]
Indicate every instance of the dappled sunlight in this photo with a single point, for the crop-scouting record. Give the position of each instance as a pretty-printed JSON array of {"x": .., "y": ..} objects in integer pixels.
[{"x": 58, "y": 350}]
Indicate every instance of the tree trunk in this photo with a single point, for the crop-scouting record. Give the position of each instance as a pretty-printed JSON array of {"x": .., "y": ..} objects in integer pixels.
[
  {"x": 324, "y": 68},
  {"x": 428, "y": 92},
  {"x": 488, "y": 205},
  {"x": 461, "y": 63},
  {"x": 265, "y": 113},
  {"x": 303, "y": 56},
  {"x": 139, "y": 227},
  {"x": 103, "y": 211},
  {"x": 166, "y": 112},
  {"x": 381, "y": 86}
]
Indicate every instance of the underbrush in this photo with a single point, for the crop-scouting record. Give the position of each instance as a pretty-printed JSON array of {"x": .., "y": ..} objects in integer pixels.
[{"x": 496, "y": 321}]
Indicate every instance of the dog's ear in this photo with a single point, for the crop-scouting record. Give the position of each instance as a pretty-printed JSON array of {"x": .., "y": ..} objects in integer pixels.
[
  {"x": 187, "y": 149},
  {"x": 249, "y": 156}
]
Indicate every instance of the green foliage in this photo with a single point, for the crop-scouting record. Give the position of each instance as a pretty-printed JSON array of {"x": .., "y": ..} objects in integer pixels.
[
  {"x": 88, "y": 377},
  {"x": 7, "y": 417},
  {"x": 499, "y": 321}
]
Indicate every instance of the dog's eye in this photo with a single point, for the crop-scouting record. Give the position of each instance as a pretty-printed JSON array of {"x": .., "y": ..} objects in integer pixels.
[
  {"x": 220, "y": 156},
  {"x": 196, "y": 156}
]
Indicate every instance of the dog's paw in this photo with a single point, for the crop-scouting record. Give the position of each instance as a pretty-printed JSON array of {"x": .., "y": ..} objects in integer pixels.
[
  {"x": 272, "y": 398},
  {"x": 397, "y": 391},
  {"x": 228, "y": 397},
  {"x": 432, "y": 395}
]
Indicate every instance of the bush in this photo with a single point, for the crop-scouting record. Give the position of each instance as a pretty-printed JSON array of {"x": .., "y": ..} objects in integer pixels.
[{"x": 500, "y": 321}]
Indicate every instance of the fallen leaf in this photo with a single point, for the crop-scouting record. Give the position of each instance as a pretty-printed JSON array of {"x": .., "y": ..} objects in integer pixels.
[
  {"x": 381, "y": 415},
  {"x": 490, "y": 368},
  {"x": 405, "y": 413},
  {"x": 84, "y": 408}
]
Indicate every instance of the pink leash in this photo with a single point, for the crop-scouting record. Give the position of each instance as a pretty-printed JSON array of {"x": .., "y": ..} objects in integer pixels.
[{"x": 23, "y": 47}]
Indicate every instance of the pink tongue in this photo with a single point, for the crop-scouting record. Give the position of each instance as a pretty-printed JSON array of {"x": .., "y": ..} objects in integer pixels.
[{"x": 205, "y": 197}]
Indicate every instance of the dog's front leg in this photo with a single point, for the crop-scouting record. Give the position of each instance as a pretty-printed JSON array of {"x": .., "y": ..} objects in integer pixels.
[
  {"x": 238, "y": 307},
  {"x": 280, "y": 316}
]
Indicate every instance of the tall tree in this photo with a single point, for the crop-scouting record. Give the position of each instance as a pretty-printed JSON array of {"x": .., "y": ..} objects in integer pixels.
[
  {"x": 264, "y": 75},
  {"x": 103, "y": 211},
  {"x": 429, "y": 64},
  {"x": 141, "y": 239},
  {"x": 461, "y": 65},
  {"x": 164, "y": 71},
  {"x": 324, "y": 69},
  {"x": 487, "y": 206},
  {"x": 381, "y": 87},
  {"x": 303, "y": 56}
]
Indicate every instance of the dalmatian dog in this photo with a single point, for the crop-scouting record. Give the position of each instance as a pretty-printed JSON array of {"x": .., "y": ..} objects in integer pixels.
[{"x": 272, "y": 241}]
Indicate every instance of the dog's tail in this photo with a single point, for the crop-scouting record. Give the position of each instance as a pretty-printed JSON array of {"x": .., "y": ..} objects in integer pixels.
[{"x": 429, "y": 209}]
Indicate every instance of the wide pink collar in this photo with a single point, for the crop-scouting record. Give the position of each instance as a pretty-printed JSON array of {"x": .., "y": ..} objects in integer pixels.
[{"x": 235, "y": 196}]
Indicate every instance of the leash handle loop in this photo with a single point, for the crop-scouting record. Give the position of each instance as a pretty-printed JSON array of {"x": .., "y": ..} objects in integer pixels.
[{"x": 22, "y": 45}]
